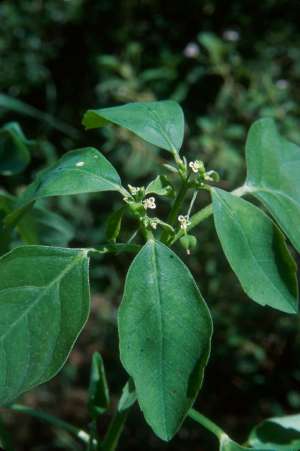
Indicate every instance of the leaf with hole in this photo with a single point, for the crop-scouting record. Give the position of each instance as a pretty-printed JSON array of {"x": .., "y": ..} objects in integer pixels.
[
  {"x": 44, "y": 304},
  {"x": 159, "y": 123},
  {"x": 79, "y": 171},
  {"x": 256, "y": 251},
  {"x": 165, "y": 331}
]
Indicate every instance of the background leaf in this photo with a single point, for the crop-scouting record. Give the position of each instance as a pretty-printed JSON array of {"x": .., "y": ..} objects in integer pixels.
[
  {"x": 41, "y": 226},
  {"x": 14, "y": 149},
  {"x": 165, "y": 330},
  {"x": 160, "y": 123},
  {"x": 274, "y": 175},
  {"x": 281, "y": 434},
  {"x": 44, "y": 304},
  {"x": 256, "y": 251}
]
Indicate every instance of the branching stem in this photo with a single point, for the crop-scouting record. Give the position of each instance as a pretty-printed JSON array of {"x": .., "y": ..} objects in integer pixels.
[{"x": 206, "y": 212}]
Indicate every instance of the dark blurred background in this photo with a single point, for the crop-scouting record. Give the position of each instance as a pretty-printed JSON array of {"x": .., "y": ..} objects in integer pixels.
[{"x": 227, "y": 63}]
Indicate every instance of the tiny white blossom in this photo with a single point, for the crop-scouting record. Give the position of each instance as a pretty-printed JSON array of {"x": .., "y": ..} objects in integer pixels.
[
  {"x": 149, "y": 203},
  {"x": 196, "y": 166},
  {"x": 184, "y": 221}
]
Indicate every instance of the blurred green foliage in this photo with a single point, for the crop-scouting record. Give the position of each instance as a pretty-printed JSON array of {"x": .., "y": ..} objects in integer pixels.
[{"x": 227, "y": 65}]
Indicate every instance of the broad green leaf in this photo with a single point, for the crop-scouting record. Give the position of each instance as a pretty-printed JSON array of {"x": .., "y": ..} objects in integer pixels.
[
  {"x": 159, "y": 123},
  {"x": 165, "y": 330},
  {"x": 79, "y": 171},
  {"x": 44, "y": 304},
  {"x": 14, "y": 152},
  {"x": 98, "y": 401},
  {"x": 160, "y": 186},
  {"x": 280, "y": 434},
  {"x": 256, "y": 251},
  {"x": 274, "y": 175}
]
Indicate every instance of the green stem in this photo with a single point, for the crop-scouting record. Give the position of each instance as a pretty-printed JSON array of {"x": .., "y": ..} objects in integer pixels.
[
  {"x": 114, "y": 432},
  {"x": 54, "y": 421},
  {"x": 207, "y": 211},
  {"x": 175, "y": 209},
  {"x": 206, "y": 423}
]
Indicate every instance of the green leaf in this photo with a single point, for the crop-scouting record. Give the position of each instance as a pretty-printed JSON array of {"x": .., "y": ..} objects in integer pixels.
[
  {"x": 159, "y": 123},
  {"x": 274, "y": 175},
  {"x": 14, "y": 152},
  {"x": 160, "y": 186},
  {"x": 281, "y": 434},
  {"x": 41, "y": 226},
  {"x": 98, "y": 401},
  {"x": 165, "y": 331},
  {"x": 79, "y": 171},
  {"x": 11, "y": 103},
  {"x": 256, "y": 251},
  {"x": 44, "y": 304}
]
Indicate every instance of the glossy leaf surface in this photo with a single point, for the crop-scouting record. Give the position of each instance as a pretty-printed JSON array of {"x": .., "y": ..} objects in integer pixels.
[
  {"x": 79, "y": 171},
  {"x": 44, "y": 303},
  {"x": 165, "y": 330},
  {"x": 256, "y": 251},
  {"x": 274, "y": 175},
  {"x": 281, "y": 434},
  {"x": 159, "y": 123}
]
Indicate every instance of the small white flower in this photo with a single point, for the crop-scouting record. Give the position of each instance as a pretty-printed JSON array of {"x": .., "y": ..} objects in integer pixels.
[
  {"x": 196, "y": 166},
  {"x": 184, "y": 222},
  {"x": 149, "y": 203},
  {"x": 80, "y": 163}
]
